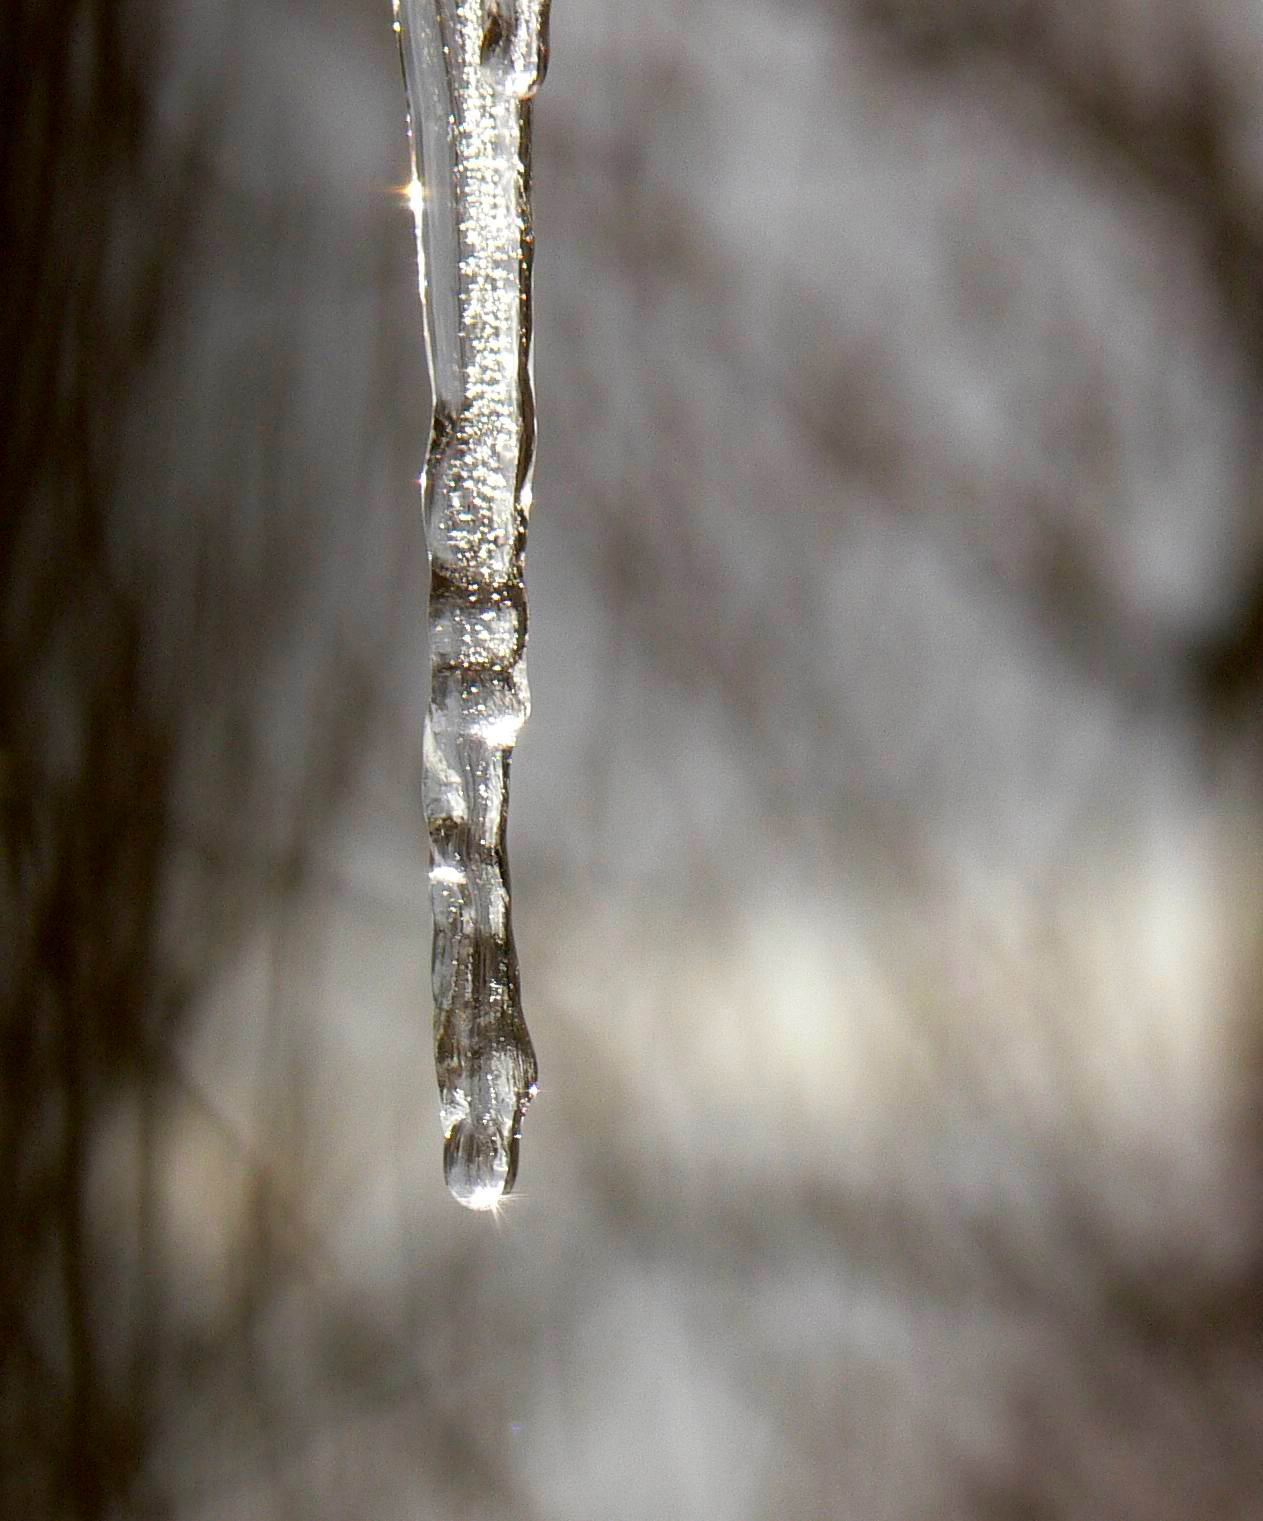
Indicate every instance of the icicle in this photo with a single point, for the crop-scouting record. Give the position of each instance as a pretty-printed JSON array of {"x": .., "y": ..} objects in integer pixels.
[{"x": 471, "y": 67}]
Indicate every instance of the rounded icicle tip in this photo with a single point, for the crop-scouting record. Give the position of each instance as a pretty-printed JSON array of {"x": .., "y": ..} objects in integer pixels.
[{"x": 479, "y": 1165}]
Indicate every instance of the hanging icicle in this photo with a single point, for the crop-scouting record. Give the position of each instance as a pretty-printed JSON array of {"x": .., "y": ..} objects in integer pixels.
[{"x": 471, "y": 68}]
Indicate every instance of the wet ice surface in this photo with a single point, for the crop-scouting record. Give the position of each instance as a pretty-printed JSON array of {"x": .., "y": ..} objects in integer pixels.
[{"x": 471, "y": 67}]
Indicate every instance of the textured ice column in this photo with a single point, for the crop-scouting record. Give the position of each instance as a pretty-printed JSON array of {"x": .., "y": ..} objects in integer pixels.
[{"x": 471, "y": 67}]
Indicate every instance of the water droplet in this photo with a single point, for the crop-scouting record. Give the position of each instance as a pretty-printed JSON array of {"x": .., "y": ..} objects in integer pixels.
[{"x": 479, "y": 1166}]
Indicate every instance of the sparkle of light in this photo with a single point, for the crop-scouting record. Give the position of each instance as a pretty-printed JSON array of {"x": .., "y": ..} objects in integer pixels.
[{"x": 414, "y": 193}]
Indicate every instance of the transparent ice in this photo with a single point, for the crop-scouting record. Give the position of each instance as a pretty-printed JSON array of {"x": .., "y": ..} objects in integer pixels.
[{"x": 471, "y": 68}]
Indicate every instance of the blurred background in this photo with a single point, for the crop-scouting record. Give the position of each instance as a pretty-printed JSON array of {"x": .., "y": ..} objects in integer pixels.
[{"x": 886, "y": 838}]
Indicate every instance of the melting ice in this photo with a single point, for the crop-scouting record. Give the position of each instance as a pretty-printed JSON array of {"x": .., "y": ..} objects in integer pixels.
[{"x": 471, "y": 68}]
